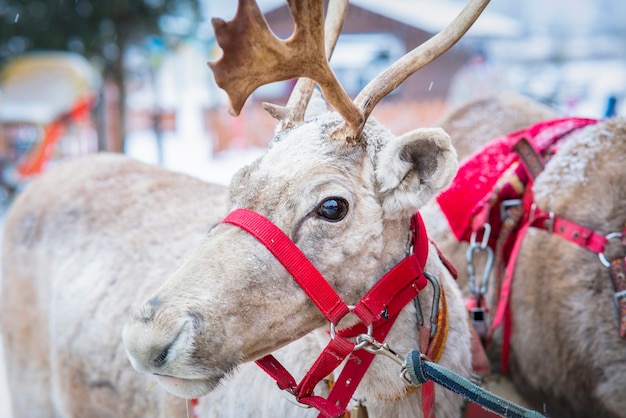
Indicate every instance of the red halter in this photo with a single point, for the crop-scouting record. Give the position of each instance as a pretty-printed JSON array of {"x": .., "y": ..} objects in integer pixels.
[{"x": 377, "y": 310}]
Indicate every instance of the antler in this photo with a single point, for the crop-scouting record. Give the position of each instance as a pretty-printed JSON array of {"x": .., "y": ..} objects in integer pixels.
[
  {"x": 399, "y": 71},
  {"x": 253, "y": 56},
  {"x": 293, "y": 113}
]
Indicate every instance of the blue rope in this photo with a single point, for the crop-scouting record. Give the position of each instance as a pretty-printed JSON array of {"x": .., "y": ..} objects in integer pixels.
[{"x": 421, "y": 370}]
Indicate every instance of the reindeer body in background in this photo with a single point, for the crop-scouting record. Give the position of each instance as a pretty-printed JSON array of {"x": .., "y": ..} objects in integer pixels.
[
  {"x": 567, "y": 357},
  {"x": 342, "y": 189}
]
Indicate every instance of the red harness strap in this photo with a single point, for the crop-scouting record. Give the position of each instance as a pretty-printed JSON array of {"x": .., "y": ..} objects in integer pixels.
[
  {"x": 536, "y": 217},
  {"x": 308, "y": 277},
  {"x": 379, "y": 309},
  {"x": 481, "y": 186},
  {"x": 469, "y": 200}
]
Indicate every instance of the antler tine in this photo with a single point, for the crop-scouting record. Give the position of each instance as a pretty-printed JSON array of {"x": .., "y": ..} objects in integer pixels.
[
  {"x": 391, "y": 78},
  {"x": 253, "y": 56},
  {"x": 293, "y": 113}
]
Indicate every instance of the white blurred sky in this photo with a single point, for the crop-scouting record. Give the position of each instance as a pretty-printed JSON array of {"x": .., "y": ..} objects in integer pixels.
[{"x": 559, "y": 17}]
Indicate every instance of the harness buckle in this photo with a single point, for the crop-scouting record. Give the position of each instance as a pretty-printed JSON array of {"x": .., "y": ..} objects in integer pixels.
[
  {"x": 612, "y": 235},
  {"x": 506, "y": 205},
  {"x": 359, "y": 345},
  {"x": 548, "y": 224},
  {"x": 290, "y": 397}
]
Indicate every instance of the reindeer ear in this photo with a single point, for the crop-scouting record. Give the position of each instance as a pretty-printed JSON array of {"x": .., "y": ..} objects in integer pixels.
[{"x": 413, "y": 168}]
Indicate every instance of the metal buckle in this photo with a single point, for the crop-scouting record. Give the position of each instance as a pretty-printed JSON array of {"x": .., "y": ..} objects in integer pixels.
[
  {"x": 506, "y": 204},
  {"x": 612, "y": 235},
  {"x": 291, "y": 398},
  {"x": 549, "y": 224},
  {"x": 370, "y": 330}
]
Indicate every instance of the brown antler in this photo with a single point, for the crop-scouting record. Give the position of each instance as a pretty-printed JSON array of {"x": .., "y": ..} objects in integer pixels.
[
  {"x": 293, "y": 113},
  {"x": 393, "y": 76},
  {"x": 254, "y": 56}
]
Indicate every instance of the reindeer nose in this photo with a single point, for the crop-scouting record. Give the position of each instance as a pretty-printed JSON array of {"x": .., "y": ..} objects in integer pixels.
[
  {"x": 159, "y": 360},
  {"x": 152, "y": 352}
]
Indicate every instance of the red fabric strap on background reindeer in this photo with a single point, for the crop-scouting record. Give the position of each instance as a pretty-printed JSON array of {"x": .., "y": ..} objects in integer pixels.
[
  {"x": 378, "y": 308},
  {"x": 466, "y": 203},
  {"x": 505, "y": 169}
]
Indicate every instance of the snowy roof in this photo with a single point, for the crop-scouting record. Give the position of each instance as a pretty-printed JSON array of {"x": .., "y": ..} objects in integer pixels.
[{"x": 431, "y": 16}]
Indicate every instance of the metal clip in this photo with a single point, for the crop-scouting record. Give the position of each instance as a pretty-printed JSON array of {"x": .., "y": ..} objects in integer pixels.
[
  {"x": 486, "y": 234},
  {"x": 369, "y": 344},
  {"x": 549, "y": 224},
  {"x": 612, "y": 235},
  {"x": 480, "y": 290},
  {"x": 434, "y": 309}
]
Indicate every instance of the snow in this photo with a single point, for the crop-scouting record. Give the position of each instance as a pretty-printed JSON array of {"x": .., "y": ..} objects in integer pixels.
[
  {"x": 431, "y": 16},
  {"x": 434, "y": 16}
]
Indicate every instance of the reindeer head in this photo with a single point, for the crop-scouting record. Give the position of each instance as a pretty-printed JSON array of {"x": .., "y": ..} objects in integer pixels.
[{"x": 341, "y": 189}]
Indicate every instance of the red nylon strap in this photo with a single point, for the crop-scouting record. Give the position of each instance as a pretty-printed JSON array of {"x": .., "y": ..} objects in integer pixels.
[
  {"x": 503, "y": 313},
  {"x": 354, "y": 370},
  {"x": 271, "y": 366},
  {"x": 571, "y": 231},
  {"x": 399, "y": 280},
  {"x": 538, "y": 218},
  {"x": 304, "y": 273},
  {"x": 380, "y": 306},
  {"x": 399, "y": 286},
  {"x": 331, "y": 357}
]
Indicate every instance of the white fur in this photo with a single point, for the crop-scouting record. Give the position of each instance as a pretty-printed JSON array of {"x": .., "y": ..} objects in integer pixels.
[{"x": 90, "y": 249}]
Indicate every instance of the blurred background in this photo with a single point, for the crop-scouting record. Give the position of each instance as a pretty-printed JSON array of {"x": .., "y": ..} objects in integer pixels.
[
  {"x": 81, "y": 76},
  {"x": 130, "y": 76}
]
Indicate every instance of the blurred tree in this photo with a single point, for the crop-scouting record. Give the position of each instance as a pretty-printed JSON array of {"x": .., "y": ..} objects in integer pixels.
[{"x": 100, "y": 30}]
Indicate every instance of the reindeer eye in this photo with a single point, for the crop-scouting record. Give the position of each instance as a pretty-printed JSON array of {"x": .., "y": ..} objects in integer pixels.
[{"x": 333, "y": 209}]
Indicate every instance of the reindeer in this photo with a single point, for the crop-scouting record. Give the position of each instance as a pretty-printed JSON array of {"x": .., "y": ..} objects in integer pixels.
[
  {"x": 81, "y": 243},
  {"x": 339, "y": 186},
  {"x": 471, "y": 126},
  {"x": 567, "y": 356}
]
